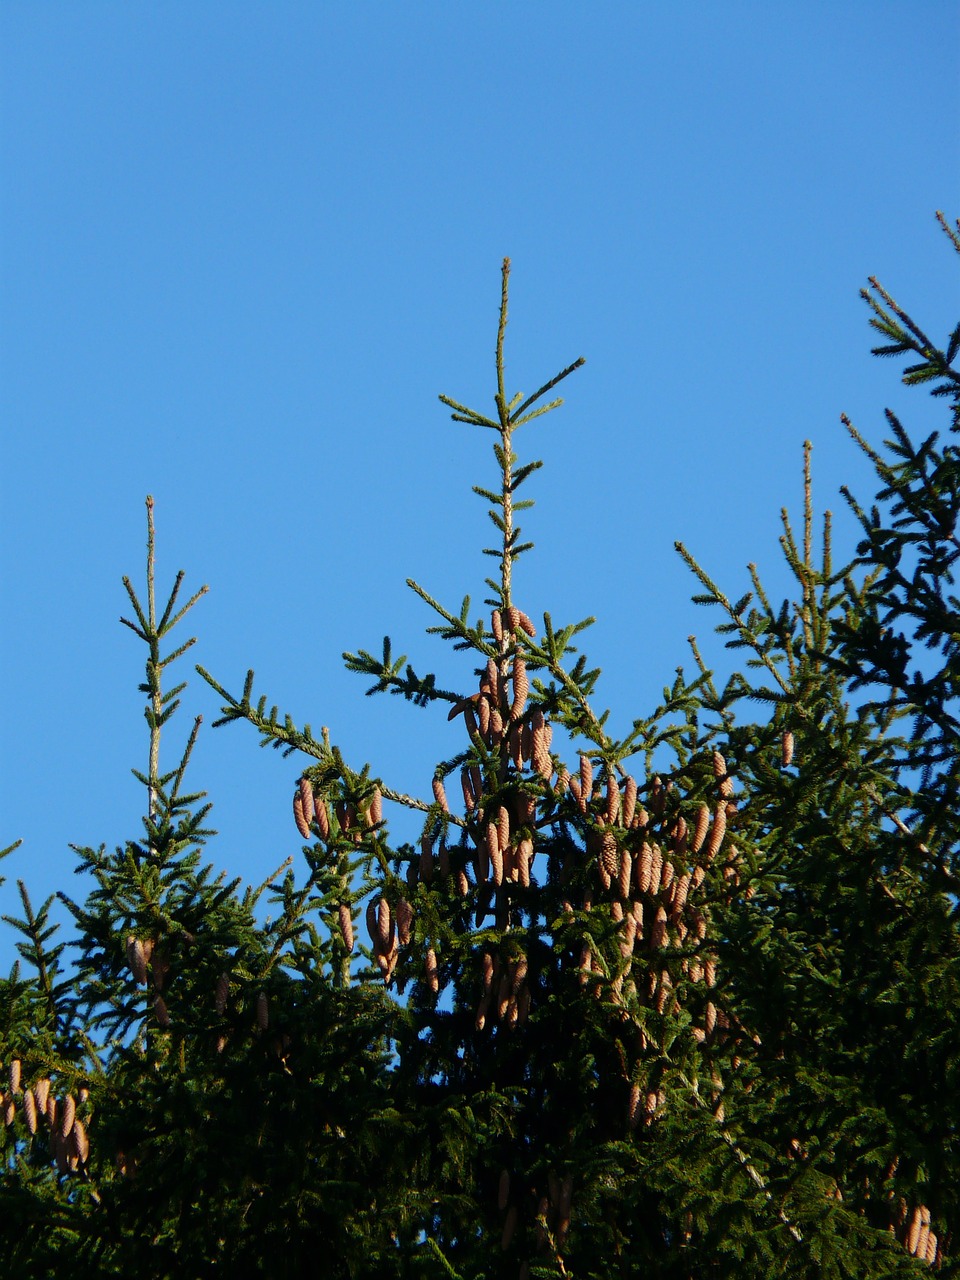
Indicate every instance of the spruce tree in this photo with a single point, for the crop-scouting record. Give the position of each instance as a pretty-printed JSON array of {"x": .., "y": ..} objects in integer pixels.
[{"x": 668, "y": 995}]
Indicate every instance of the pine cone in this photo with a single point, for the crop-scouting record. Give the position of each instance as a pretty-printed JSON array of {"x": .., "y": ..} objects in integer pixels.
[
  {"x": 404, "y": 917},
  {"x": 68, "y": 1115},
  {"x": 524, "y": 859},
  {"x": 717, "y": 831},
  {"x": 80, "y": 1143},
  {"x": 656, "y": 870},
  {"x": 658, "y": 934},
  {"x": 433, "y": 976},
  {"x": 503, "y": 828},
  {"x": 41, "y": 1091},
  {"x": 137, "y": 959},
  {"x": 680, "y": 896},
  {"x": 385, "y": 925},
  {"x": 263, "y": 1011},
  {"x": 307, "y": 806},
  {"x": 426, "y": 859},
  {"x": 15, "y": 1076},
  {"x": 633, "y": 1106},
  {"x": 303, "y": 826},
  {"x": 629, "y": 800},
  {"x": 160, "y": 1009},
  {"x": 521, "y": 687},
  {"x": 626, "y": 870},
  {"x": 345, "y": 920},
  {"x": 322, "y": 819},
  {"x": 221, "y": 993},
  {"x": 30, "y": 1111},
  {"x": 586, "y": 781},
  {"x": 469, "y": 799},
  {"x": 786, "y": 749},
  {"x": 440, "y": 795},
  {"x": 503, "y": 1190}
]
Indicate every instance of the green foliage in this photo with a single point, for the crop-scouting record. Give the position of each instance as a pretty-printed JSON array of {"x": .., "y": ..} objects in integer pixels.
[{"x": 693, "y": 1020}]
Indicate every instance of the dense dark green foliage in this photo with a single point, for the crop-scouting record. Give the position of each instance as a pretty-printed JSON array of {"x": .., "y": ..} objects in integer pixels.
[{"x": 699, "y": 1025}]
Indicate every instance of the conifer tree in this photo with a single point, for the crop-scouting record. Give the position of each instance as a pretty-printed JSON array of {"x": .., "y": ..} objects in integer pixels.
[{"x": 670, "y": 995}]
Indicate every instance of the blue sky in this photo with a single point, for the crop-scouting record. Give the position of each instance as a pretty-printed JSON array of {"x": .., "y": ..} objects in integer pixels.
[{"x": 245, "y": 246}]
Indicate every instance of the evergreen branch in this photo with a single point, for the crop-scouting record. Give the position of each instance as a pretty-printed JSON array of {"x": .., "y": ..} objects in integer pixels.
[
  {"x": 548, "y": 386},
  {"x": 197, "y": 595},
  {"x": 463, "y": 414},
  {"x": 471, "y": 636},
  {"x": 952, "y": 235}
]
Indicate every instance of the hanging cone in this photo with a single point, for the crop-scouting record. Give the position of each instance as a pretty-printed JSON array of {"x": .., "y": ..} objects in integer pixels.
[
  {"x": 303, "y": 826},
  {"x": 503, "y": 828},
  {"x": 307, "y": 807},
  {"x": 137, "y": 959},
  {"x": 68, "y": 1115},
  {"x": 492, "y": 678},
  {"x": 633, "y": 1106},
  {"x": 322, "y": 819},
  {"x": 656, "y": 870},
  {"x": 658, "y": 934},
  {"x": 717, "y": 831},
  {"x": 160, "y": 1009},
  {"x": 680, "y": 896},
  {"x": 483, "y": 711},
  {"x": 469, "y": 799},
  {"x": 524, "y": 859},
  {"x": 30, "y": 1111},
  {"x": 440, "y": 795},
  {"x": 370, "y": 915},
  {"x": 786, "y": 749},
  {"x": 521, "y": 687},
  {"x": 79, "y": 1141},
  {"x": 626, "y": 869},
  {"x": 263, "y": 1011},
  {"x": 629, "y": 800},
  {"x": 376, "y": 807},
  {"x": 222, "y": 993},
  {"x": 586, "y": 781},
  {"x": 404, "y": 916},
  {"x": 433, "y": 976},
  {"x": 345, "y": 920},
  {"x": 913, "y": 1235},
  {"x": 15, "y": 1076},
  {"x": 41, "y": 1091},
  {"x": 503, "y": 1190},
  {"x": 524, "y": 623},
  {"x": 701, "y": 828},
  {"x": 642, "y": 869},
  {"x": 384, "y": 925}
]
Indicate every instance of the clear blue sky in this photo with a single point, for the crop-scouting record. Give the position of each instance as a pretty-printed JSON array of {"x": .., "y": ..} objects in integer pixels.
[{"x": 244, "y": 246}]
